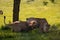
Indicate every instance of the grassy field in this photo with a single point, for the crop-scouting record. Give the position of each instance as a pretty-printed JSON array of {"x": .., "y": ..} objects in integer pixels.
[
  {"x": 53, "y": 34},
  {"x": 35, "y": 8}
]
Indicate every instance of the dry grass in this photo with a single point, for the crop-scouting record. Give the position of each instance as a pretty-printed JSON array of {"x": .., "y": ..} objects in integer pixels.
[{"x": 33, "y": 9}]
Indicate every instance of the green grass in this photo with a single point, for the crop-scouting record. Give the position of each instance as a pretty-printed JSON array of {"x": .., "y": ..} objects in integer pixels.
[{"x": 53, "y": 34}]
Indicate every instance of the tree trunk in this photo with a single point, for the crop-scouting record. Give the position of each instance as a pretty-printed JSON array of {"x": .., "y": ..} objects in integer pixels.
[{"x": 16, "y": 6}]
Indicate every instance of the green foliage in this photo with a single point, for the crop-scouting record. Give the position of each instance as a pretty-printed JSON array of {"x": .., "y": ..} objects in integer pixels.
[
  {"x": 53, "y": 34},
  {"x": 5, "y": 27}
]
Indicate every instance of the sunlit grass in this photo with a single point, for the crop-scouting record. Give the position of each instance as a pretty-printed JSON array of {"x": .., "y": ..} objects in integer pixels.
[{"x": 35, "y": 9}]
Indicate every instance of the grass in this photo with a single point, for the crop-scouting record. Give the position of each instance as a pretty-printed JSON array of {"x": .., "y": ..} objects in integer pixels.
[
  {"x": 32, "y": 9},
  {"x": 53, "y": 34},
  {"x": 30, "y": 36}
]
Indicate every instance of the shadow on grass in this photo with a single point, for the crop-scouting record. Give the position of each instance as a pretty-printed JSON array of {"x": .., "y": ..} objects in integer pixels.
[{"x": 53, "y": 34}]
